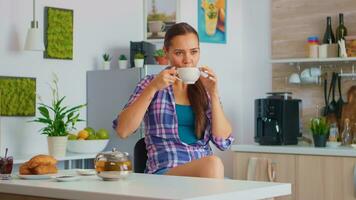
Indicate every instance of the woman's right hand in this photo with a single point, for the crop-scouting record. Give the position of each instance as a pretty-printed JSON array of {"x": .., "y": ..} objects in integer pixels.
[{"x": 164, "y": 79}]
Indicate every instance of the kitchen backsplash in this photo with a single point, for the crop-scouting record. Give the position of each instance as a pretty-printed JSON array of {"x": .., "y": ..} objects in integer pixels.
[{"x": 292, "y": 23}]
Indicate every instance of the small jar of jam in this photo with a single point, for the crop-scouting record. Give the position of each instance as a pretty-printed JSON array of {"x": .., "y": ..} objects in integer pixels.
[{"x": 6, "y": 164}]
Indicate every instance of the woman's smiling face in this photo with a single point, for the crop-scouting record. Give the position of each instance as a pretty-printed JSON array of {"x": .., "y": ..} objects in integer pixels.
[{"x": 183, "y": 51}]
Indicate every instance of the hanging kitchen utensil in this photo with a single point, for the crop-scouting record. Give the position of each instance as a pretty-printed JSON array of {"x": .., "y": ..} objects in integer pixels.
[
  {"x": 340, "y": 103},
  {"x": 324, "y": 110},
  {"x": 331, "y": 105}
]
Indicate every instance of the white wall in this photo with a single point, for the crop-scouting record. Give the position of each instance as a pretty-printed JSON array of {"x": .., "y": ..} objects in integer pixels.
[
  {"x": 99, "y": 26},
  {"x": 108, "y": 25},
  {"x": 242, "y": 64}
]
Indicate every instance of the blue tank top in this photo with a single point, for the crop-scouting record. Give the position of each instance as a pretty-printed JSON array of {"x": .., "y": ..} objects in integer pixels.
[{"x": 186, "y": 124}]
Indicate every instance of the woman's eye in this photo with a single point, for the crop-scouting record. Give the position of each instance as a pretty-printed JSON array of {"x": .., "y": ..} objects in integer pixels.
[{"x": 179, "y": 53}]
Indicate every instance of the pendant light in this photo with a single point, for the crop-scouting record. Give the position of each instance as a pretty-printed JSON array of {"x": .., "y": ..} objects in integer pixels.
[{"x": 34, "y": 41}]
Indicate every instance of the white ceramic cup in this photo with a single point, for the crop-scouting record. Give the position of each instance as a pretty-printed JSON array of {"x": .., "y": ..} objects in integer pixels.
[
  {"x": 294, "y": 78},
  {"x": 310, "y": 75},
  {"x": 315, "y": 71},
  {"x": 189, "y": 75}
]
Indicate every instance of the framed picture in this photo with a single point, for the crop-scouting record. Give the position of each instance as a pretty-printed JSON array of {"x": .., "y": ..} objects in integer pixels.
[
  {"x": 212, "y": 21},
  {"x": 58, "y": 33},
  {"x": 17, "y": 96},
  {"x": 159, "y": 16}
]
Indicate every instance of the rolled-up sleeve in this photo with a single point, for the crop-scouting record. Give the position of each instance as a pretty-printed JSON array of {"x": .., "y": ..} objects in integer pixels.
[
  {"x": 137, "y": 92},
  {"x": 222, "y": 143}
]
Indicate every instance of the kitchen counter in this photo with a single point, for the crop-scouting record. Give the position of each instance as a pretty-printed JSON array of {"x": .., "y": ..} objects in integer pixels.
[
  {"x": 295, "y": 149},
  {"x": 142, "y": 187}
]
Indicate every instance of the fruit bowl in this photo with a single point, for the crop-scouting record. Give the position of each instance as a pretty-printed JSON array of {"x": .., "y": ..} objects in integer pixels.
[{"x": 86, "y": 146}]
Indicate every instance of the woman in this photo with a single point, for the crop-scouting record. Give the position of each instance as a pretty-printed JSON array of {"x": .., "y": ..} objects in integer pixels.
[{"x": 180, "y": 119}]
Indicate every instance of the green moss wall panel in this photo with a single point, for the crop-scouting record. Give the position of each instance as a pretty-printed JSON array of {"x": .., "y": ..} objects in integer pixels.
[
  {"x": 59, "y": 33},
  {"x": 17, "y": 96}
]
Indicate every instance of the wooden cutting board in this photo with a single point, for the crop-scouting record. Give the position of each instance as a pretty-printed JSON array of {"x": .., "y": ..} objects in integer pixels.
[{"x": 349, "y": 110}]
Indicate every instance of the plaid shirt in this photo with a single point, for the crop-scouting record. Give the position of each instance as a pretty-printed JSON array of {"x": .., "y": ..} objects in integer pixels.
[{"x": 164, "y": 148}]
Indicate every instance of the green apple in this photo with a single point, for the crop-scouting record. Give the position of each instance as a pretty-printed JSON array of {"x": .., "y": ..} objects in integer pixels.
[
  {"x": 102, "y": 134},
  {"x": 90, "y": 130},
  {"x": 72, "y": 137},
  {"x": 91, "y": 137}
]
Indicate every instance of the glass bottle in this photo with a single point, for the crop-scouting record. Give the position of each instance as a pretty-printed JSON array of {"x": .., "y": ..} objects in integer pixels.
[
  {"x": 329, "y": 37},
  {"x": 333, "y": 132},
  {"x": 346, "y": 134},
  {"x": 341, "y": 30},
  {"x": 354, "y": 134}
]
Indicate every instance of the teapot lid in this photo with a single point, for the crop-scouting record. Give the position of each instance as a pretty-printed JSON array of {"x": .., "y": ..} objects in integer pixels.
[{"x": 114, "y": 155}]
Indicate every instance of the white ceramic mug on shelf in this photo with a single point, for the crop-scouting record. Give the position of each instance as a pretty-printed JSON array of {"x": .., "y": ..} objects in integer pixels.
[
  {"x": 294, "y": 78},
  {"x": 315, "y": 71}
]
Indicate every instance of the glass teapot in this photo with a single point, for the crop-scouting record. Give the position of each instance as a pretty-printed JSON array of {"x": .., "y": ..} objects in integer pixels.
[{"x": 113, "y": 165}]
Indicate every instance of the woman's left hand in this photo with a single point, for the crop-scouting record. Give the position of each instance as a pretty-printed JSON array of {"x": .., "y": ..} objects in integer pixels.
[{"x": 210, "y": 82}]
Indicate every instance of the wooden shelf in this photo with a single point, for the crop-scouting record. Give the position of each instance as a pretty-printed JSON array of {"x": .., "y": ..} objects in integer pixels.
[{"x": 294, "y": 61}]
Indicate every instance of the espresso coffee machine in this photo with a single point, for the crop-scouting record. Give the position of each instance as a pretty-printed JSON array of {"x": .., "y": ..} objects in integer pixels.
[{"x": 277, "y": 119}]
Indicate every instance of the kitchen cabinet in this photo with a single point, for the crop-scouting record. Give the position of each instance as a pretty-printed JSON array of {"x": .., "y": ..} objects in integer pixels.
[
  {"x": 312, "y": 176},
  {"x": 284, "y": 168},
  {"x": 324, "y": 177}
]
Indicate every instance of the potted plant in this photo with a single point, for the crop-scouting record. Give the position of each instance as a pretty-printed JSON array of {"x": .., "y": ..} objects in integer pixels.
[
  {"x": 106, "y": 61},
  {"x": 58, "y": 120},
  {"x": 139, "y": 59},
  {"x": 320, "y": 129},
  {"x": 122, "y": 61},
  {"x": 160, "y": 57}
]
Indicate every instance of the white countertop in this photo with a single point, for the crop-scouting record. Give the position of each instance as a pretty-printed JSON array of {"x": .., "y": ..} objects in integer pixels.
[
  {"x": 146, "y": 186},
  {"x": 295, "y": 149},
  {"x": 19, "y": 159}
]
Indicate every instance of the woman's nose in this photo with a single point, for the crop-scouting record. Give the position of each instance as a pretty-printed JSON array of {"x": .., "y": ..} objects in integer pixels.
[{"x": 187, "y": 59}]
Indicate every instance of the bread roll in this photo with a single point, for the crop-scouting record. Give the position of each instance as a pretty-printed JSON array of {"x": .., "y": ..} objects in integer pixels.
[
  {"x": 41, "y": 160},
  {"x": 44, "y": 169},
  {"x": 24, "y": 170}
]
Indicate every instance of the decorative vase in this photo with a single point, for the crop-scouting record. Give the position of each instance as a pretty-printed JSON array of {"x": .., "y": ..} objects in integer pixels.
[
  {"x": 319, "y": 140},
  {"x": 57, "y": 145},
  {"x": 106, "y": 65},
  {"x": 122, "y": 64},
  {"x": 162, "y": 60},
  {"x": 139, "y": 62}
]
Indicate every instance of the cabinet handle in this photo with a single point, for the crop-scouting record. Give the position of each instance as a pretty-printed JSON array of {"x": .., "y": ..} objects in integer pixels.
[
  {"x": 271, "y": 171},
  {"x": 355, "y": 181}
]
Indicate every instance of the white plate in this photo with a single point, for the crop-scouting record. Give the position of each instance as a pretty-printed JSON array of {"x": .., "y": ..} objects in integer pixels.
[
  {"x": 37, "y": 177},
  {"x": 86, "y": 172},
  {"x": 66, "y": 178}
]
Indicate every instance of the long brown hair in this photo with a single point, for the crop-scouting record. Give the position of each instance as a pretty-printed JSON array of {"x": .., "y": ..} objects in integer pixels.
[{"x": 196, "y": 93}]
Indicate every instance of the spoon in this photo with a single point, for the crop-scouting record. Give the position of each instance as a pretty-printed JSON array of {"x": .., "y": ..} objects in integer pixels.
[{"x": 6, "y": 152}]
